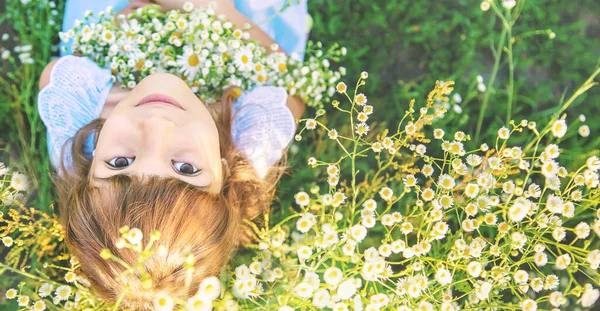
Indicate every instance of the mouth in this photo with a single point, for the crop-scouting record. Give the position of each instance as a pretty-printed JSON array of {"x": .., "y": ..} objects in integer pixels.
[{"x": 159, "y": 99}]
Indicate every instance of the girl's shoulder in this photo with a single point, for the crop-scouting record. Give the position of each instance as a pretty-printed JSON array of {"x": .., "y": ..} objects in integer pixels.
[
  {"x": 263, "y": 126},
  {"x": 74, "y": 96}
]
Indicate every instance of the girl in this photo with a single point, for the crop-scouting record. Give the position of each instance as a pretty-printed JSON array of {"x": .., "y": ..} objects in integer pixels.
[{"x": 160, "y": 160}]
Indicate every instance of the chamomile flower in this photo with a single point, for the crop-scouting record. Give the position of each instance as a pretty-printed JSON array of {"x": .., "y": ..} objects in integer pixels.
[
  {"x": 163, "y": 302},
  {"x": 559, "y": 128},
  {"x": 243, "y": 59},
  {"x": 189, "y": 63},
  {"x": 360, "y": 99}
]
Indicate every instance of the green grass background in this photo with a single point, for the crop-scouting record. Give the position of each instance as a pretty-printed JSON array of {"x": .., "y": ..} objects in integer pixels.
[{"x": 405, "y": 45}]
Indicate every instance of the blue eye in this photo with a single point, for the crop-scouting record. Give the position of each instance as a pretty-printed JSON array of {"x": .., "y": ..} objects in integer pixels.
[
  {"x": 120, "y": 162},
  {"x": 184, "y": 168}
]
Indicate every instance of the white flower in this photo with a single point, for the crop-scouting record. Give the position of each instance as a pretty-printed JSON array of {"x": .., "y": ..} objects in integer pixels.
[
  {"x": 305, "y": 223},
  {"x": 135, "y": 236},
  {"x": 243, "y": 59},
  {"x": 346, "y": 289},
  {"x": 210, "y": 288},
  {"x": 519, "y": 209},
  {"x": 188, "y": 6},
  {"x": 386, "y": 193},
  {"x": 504, "y": 133},
  {"x": 584, "y": 131},
  {"x": 593, "y": 258},
  {"x": 559, "y": 128},
  {"x": 23, "y": 301},
  {"x": 474, "y": 268},
  {"x": 358, "y": 232},
  {"x": 11, "y": 293},
  {"x": 483, "y": 290},
  {"x": 311, "y": 124},
  {"x": 589, "y": 296},
  {"x": 485, "y": 5},
  {"x": 341, "y": 87},
  {"x": 63, "y": 292},
  {"x": 557, "y": 299},
  {"x": 304, "y": 252},
  {"x": 360, "y": 99},
  {"x": 563, "y": 261},
  {"x": 333, "y": 134},
  {"x": 410, "y": 128},
  {"x": 163, "y": 302},
  {"x": 333, "y": 276},
  {"x": 197, "y": 303},
  {"x": 7, "y": 241},
  {"x": 19, "y": 182},
  {"x": 39, "y": 306},
  {"x": 321, "y": 298},
  {"x": 481, "y": 87},
  {"x": 528, "y": 304},
  {"x": 302, "y": 198},
  {"x": 593, "y": 163},
  {"x": 446, "y": 182},
  {"x": 45, "y": 290},
  {"x": 304, "y": 290},
  {"x": 362, "y": 129},
  {"x": 443, "y": 276},
  {"x": 189, "y": 63}
]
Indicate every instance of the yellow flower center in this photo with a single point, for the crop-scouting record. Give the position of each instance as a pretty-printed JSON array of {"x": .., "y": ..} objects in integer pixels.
[
  {"x": 193, "y": 60},
  {"x": 282, "y": 67},
  {"x": 245, "y": 59},
  {"x": 162, "y": 302}
]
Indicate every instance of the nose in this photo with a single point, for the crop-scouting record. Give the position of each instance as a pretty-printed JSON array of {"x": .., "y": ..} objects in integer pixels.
[{"x": 156, "y": 130}]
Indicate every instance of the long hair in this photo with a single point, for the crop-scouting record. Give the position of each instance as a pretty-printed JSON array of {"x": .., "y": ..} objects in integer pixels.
[{"x": 191, "y": 221}]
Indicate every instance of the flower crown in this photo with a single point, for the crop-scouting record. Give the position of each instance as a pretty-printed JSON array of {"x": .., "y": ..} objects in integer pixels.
[{"x": 206, "y": 50}]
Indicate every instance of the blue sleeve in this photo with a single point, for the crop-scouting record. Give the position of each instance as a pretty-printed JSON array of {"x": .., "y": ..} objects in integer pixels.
[
  {"x": 263, "y": 126},
  {"x": 289, "y": 29},
  {"x": 73, "y": 98}
]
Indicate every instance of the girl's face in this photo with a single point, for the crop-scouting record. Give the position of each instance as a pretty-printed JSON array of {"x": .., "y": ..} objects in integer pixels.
[{"x": 160, "y": 128}]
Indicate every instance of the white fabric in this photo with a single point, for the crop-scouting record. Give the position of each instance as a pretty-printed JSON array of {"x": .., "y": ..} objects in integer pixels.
[{"x": 263, "y": 126}]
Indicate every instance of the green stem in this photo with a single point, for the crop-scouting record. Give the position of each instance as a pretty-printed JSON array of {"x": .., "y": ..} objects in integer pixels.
[{"x": 486, "y": 96}]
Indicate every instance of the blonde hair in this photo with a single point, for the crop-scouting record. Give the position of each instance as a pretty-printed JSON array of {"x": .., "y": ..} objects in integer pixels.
[{"x": 191, "y": 221}]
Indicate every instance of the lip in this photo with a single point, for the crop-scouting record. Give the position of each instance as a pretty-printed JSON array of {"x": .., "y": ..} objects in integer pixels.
[{"x": 159, "y": 99}]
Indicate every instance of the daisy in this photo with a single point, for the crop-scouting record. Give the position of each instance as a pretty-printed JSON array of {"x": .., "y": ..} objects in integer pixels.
[
  {"x": 135, "y": 236},
  {"x": 63, "y": 292},
  {"x": 197, "y": 303},
  {"x": 210, "y": 288},
  {"x": 189, "y": 63},
  {"x": 333, "y": 134},
  {"x": 19, "y": 182},
  {"x": 362, "y": 129},
  {"x": 341, "y": 87},
  {"x": 559, "y": 128},
  {"x": 7, "y": 241},
  {"x": 11, "y": 293},
  {"x": 360, "y": 99},
  {"x": 243, "y": 59},
  {"x": 163, "y": 302}
]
